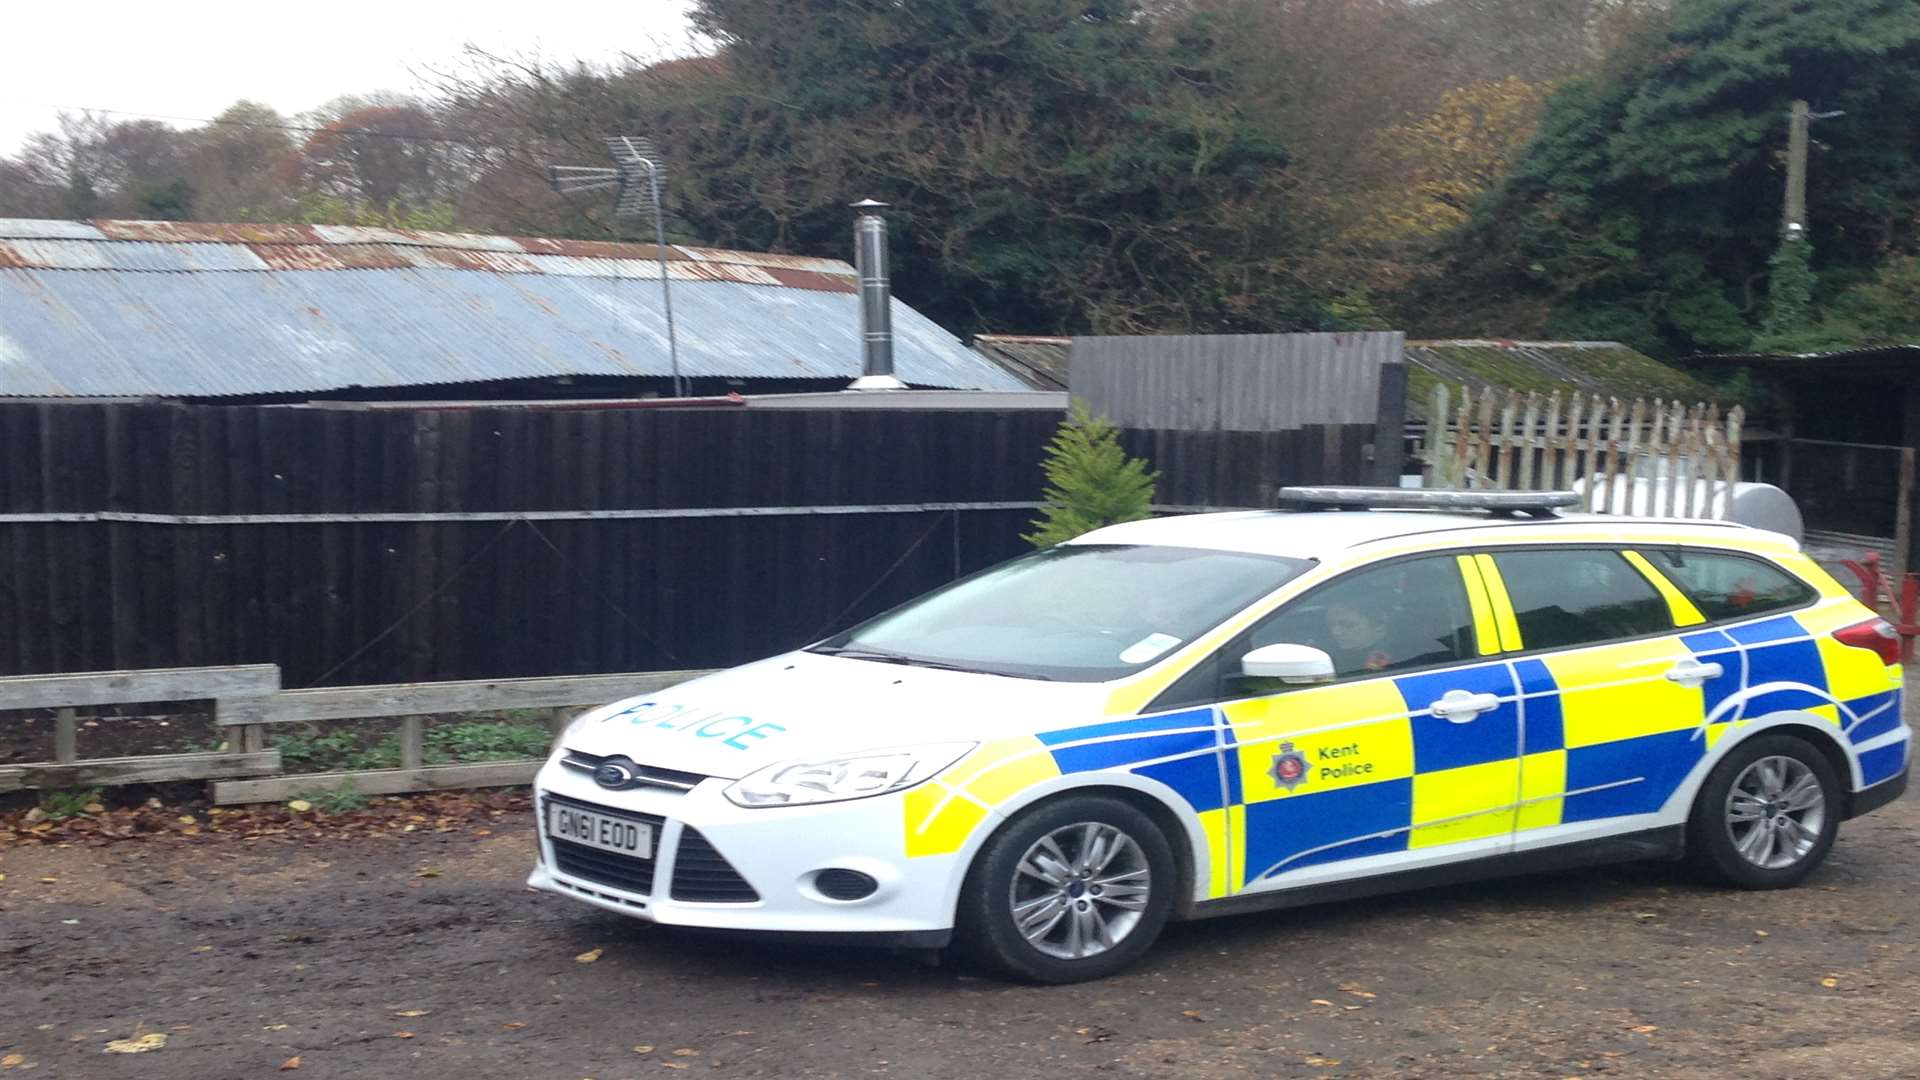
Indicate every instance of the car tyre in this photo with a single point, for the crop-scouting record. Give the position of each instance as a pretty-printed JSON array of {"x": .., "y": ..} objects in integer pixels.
[
  {"x": 1767, "y": 814},
  {"x": 1073, "y": 889}
]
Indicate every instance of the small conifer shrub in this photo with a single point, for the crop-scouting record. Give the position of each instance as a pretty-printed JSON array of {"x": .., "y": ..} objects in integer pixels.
[{"x": 1091, "y": 481}]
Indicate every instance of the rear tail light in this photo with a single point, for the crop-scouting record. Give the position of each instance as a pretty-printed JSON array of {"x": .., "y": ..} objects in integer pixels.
[{"x": 1874, "y": 635}]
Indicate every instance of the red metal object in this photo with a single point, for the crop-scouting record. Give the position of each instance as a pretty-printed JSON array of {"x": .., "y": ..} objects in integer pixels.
[{"x": 1876, "y": 593}]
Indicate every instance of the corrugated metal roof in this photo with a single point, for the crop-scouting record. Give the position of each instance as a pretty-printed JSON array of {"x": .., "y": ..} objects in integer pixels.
[
  {"x": 169, "y": 309},
  {"x": 1607, "y": 368}
]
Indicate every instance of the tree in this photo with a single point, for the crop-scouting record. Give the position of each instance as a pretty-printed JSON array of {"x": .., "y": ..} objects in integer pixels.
[
  {"x": 1056, "y": 164},
  {"x": 1091, "y": 482},
  {"x": 1647, "y": 207},
  {"x": 1444, "y": 162},
  {"x": 382, "y": 153}
]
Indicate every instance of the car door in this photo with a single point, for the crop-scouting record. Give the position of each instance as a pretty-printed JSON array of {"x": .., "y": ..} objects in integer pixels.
[
  {"x": 1612, "y": 700},
  {"x": 1412, "y": 749}
]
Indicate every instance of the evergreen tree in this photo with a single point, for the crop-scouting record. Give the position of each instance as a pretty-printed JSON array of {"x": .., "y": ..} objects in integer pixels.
[
  {"x": 1646, "y": 208},
  {"x": 1091, "y": 482},
  {"x": 1055, "y": 165}
]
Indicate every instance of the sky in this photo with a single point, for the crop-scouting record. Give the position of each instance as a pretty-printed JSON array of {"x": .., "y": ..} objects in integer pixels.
[{"x": 193, "y": 58}]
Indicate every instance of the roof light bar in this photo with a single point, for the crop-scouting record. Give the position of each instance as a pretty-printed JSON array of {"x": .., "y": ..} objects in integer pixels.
[{"x": 1523, "y": 503}]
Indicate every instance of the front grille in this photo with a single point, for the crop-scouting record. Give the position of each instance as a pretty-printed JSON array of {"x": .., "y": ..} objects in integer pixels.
[
  {"x": 704, "y": 875},
  {"x": 643, "y": 775},
  {"x": 623, "y": 872}
]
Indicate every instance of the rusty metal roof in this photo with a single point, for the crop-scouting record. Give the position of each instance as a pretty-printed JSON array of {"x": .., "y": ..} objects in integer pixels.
[
  {"x": 1607, "y": 368},
  {"x": 1040, "y": 362},
  {"x": 187, "y": 309}
]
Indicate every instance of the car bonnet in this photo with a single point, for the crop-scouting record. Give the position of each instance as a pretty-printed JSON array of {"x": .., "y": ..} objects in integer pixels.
[{"x": 804, "y": 706}]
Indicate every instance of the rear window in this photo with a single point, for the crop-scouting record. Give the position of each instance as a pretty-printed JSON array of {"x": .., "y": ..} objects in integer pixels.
[
  {"x": 1568, "y": 597},
  {"x": 1727, "y": 586}
]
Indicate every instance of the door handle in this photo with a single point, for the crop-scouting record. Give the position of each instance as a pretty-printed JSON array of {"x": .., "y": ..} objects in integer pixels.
[
  {"x": 1462, "y": 706},
  {"x": 1692, "y": 673}
]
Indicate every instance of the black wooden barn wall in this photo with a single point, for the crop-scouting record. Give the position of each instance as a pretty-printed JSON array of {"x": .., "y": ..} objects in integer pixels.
[{"x": 350, "y": 602}]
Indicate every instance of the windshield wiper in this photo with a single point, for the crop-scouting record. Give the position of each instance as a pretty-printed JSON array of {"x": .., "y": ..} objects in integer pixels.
[{"x": 881, "y": 656}]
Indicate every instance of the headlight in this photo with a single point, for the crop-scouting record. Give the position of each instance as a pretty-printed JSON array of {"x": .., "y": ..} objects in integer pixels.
[{"x": 857, "y": 776}]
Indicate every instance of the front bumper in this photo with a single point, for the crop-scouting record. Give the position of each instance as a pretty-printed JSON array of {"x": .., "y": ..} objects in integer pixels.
[{"x": 778, "y": 851}]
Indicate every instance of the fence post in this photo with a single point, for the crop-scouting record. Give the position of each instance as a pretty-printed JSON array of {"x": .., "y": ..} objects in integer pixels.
[
  {"x": 410, "y": 740},
  {"x": 66, "y": 727},
  {"x": 1903, "y": 520}
]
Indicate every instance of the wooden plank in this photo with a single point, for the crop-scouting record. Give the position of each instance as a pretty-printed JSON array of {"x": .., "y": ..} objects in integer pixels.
[
  {"x": 1506, "y": 440},
  {"x": 1552, "y": 459},
  {"x": 418, "y": 699},
  {"x": 152, "y": 769},
  {"x": 1483, "y": 439},
  {"x": 1462, "y": 433},
  {"x": 377, "y": 781},
  {"x": 1434, "y": 448},
  {"x": 1576, "y": 407},
  {"x": 128, "y": 687},
  {"x": 1676, "y": 427},
  {"x": 1529, "y": 440},
  {"x": 1635, "y": 422}
]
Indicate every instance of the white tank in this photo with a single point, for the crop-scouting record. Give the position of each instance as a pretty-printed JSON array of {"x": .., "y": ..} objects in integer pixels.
[{"x": 1761, "y": 506}]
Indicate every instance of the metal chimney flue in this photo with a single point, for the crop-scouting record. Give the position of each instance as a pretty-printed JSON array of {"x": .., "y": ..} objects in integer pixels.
[{"x": 876, "y": 299}]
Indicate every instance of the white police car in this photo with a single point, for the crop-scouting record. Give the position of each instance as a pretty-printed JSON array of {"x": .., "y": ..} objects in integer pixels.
[{"x": 1192, "y": 716}]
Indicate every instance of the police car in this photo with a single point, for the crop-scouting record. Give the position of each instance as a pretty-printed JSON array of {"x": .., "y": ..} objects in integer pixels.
[{"x": 1366, "y": 690}]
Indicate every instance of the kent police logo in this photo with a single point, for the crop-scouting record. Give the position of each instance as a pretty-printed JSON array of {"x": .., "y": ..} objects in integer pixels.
[{"x": 1289, "y": 767}]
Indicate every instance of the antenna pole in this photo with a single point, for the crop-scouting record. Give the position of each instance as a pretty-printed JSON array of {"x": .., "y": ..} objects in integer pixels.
[{"x": 666, "y": 283}]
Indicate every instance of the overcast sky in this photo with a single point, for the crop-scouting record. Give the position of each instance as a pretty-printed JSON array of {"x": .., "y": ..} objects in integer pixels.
[{"x": 196, "y": 57}]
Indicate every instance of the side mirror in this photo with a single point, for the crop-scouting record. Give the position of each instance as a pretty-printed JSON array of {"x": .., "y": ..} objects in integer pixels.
[{"x": 1300, "y": 664}]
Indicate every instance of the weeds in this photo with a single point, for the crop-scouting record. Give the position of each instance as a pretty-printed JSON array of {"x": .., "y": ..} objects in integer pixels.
[
  {"x": 341, "y": 799},
  {"x": 69, "y": 802},
  {"x": 351, "y": 748}
]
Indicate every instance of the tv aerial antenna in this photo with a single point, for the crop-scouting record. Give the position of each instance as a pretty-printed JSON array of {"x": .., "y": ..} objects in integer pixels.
[{"x": 636, "y": 176}]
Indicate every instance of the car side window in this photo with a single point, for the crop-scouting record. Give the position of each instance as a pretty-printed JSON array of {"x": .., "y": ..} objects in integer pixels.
[
  {"x": 1406, "y": 614},
  {"x": 1726, "y": 586},
  {"x": 1565, "y": 597}
]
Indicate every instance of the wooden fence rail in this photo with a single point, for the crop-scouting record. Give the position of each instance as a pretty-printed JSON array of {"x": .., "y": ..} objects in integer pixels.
[
  {"x": 1534, "y": 442},
  {"x": 248, "y": 700}
]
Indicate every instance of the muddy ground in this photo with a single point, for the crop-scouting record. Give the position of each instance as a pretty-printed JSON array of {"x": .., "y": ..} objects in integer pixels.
[{"x": 419, "y": 956}]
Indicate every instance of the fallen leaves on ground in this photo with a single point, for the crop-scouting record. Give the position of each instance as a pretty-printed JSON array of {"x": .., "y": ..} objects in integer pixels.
[
  {"x": 410, "y": 1013},
  {"x": 290, "y": 1064},
  {"x": 138, "y": 1044},
  {"x": 403, "y": 1034},
  {"x": 1644, "y": 1029},
  {"x": 13, "y": 1061},
  {"x": 514, "y": 1025},
  {"x": 589, "y": 956},
  {"x": 441, "y": 811},
  {"x": 1829, "y": 982},
  {"x": 643, "y": 1048}
]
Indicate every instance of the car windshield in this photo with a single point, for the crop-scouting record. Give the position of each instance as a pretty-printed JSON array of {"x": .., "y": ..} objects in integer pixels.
[{"x": 1075, "y": 613}]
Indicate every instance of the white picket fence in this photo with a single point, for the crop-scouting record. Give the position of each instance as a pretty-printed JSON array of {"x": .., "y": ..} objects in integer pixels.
[{"x": 1505, "y": 440}]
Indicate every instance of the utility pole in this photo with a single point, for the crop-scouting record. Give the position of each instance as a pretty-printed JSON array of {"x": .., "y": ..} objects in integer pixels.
[{"x": 1794, "y": 222}]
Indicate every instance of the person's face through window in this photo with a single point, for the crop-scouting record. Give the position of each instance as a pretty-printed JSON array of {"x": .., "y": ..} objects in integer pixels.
[{"x": 1353, "y": 628}]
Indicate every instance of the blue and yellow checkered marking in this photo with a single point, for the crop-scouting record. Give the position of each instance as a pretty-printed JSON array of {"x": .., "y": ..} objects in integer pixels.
[{"x": 1578, "y": 736}]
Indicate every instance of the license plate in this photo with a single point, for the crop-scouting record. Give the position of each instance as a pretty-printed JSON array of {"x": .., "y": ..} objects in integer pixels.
[{"x": 604, "y": 831}]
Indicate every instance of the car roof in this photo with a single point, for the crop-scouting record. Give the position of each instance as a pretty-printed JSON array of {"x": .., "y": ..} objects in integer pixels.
[{"x": 1325, "y": 534}]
